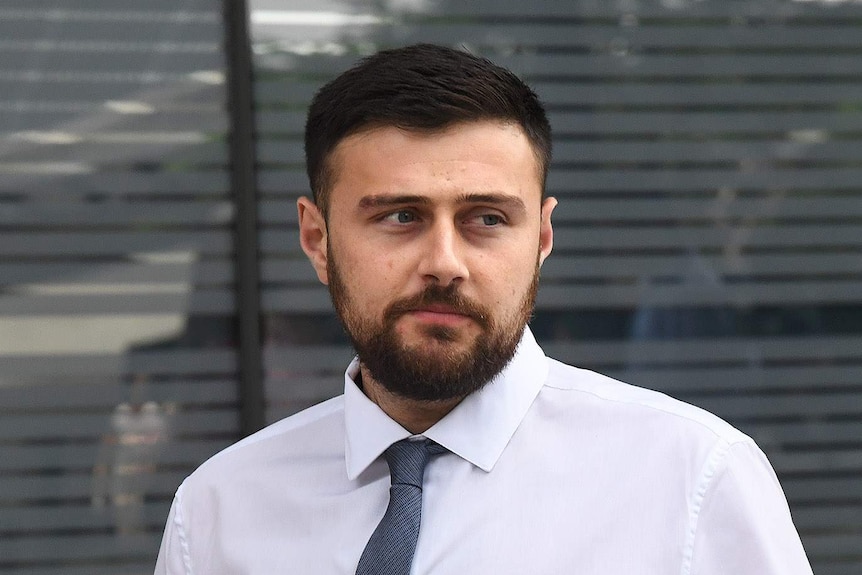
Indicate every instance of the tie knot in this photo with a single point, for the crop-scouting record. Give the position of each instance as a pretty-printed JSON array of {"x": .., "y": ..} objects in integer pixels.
[{"x": 407, "y": 460}]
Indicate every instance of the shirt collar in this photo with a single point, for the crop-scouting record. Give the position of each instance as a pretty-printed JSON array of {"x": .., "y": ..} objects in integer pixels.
[{"x": 478, "y": 429}]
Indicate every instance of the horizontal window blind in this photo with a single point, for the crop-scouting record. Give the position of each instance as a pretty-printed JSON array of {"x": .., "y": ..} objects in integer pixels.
[
  {"x": 709, "y": 234},
  {"x": 117, "y": 338}
]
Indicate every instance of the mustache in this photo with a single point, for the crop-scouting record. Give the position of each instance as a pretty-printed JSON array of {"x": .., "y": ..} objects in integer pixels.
[{"x": 434, "y": 294}]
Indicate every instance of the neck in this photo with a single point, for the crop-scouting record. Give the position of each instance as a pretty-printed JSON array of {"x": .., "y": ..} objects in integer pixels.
[{"x": 413, "y": 415}]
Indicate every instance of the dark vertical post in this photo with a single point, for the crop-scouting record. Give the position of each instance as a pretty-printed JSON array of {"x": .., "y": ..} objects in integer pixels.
[{"x": 244, "y": 187}]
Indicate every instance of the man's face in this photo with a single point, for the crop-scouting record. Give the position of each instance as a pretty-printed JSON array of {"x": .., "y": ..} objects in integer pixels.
[{"x": 431, "y": 252}]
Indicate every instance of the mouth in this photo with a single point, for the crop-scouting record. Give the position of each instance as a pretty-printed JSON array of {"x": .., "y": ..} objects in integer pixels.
[
  {"x": 439, "y": 314},
  {"x": 438, "y": 308}
]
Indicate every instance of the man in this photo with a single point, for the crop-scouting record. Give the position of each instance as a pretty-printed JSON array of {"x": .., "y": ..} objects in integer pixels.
[{"x": 429, "y": 225}]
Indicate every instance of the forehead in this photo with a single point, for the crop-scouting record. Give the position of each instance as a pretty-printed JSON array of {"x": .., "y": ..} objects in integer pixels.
[{"x": 473, "y": 154}]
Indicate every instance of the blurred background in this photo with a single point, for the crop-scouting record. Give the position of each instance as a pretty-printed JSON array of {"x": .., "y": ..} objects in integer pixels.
[{"x": 155, "y": 305}]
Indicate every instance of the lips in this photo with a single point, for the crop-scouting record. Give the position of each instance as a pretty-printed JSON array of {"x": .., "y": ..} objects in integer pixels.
[
  {"x": 437, "y": 305},
  {"x": 438, "y": 315},
  {"x": 440, "y": 308}
]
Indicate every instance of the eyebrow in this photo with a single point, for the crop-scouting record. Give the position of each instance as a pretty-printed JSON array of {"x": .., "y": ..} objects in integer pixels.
[
  {"x": 385, "y": 200},
  {"x": 502, "y": 200}
]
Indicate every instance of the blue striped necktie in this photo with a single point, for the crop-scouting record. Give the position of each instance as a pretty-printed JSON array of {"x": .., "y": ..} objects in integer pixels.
[{"x": 393, "y": 543}]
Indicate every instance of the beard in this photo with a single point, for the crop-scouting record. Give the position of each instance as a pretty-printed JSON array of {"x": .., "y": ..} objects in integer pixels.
[{"x": 437, "y": 371}]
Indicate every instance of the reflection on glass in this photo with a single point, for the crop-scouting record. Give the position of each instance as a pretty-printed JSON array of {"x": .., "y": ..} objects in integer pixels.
[{"x": 128, "y": 458}]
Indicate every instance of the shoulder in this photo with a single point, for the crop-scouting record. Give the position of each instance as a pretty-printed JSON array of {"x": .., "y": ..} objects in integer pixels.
[
  {"x": 316, "y": 430},
  {"x": 630, "y": 405},
  {"x": 224, "y": 500}
]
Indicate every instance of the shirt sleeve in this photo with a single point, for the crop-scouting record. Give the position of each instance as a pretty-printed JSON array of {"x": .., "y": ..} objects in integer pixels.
[
  {"x": 173, "y": 555},
  {"x": 743, "y": 526}
]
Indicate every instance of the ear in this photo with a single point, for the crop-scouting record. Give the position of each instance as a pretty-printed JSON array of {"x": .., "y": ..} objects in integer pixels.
[
  {"x": 546, "y": 231},
  {"x": 313, "y": 236}
]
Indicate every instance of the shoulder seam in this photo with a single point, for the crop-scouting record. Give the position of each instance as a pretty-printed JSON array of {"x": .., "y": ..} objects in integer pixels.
[
  {"x": 181, "y": 532},
  {"x": 711, "y": 466}
]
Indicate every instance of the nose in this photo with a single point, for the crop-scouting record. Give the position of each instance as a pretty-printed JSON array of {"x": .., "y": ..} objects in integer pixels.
[{"x": 443, "y": 259}]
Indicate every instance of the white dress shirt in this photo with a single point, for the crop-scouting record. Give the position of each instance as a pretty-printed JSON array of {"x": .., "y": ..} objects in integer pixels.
[{"x": 552, "y": 470}]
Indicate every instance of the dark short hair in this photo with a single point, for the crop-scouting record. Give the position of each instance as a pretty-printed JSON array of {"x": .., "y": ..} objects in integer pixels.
[{"x": 423, "y": 87}]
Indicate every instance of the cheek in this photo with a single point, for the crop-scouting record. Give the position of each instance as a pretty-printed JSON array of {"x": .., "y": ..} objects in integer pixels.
[
  {"x": 375, "y": 277},
  {"x": 512, "y": 278}
]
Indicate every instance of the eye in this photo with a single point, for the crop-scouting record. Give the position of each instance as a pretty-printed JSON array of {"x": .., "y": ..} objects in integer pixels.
[
  {"x": 401, "y": 217},
  {"x": 491, "y": 219}
]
